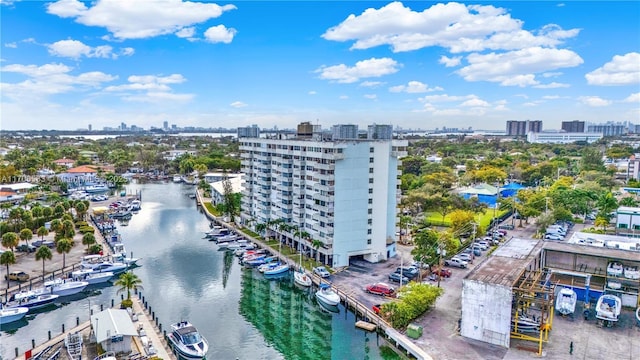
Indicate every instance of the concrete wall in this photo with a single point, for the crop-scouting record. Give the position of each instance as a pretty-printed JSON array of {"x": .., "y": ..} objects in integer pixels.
[{"x": 486, "y": 312}]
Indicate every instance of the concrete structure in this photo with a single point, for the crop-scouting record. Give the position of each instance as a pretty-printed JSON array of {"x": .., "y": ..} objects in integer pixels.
[
  {"x": 575, "y": 126},
  {"x": 487, "y": 291},
  {"x": 379, "y": 132},
  {"x": 252, "y": 131},
  {"x": 562, "y": 137},
  {"x": 174, "y": 154},
  {"x": 608, "y": 129},
  {"x": 343, "y": 193},
  {"x": 218, "y": 191},
  {"x": 521, "y": 128},
  {"x": 343, "y": 132},
  {"x": 628, "y": 219},
  {"x": 113, "y": 330},
  {"x": 633, "y": 168}
]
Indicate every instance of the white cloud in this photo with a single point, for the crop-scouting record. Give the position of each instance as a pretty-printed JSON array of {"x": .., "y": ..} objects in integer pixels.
[
  {"x": 11, "y": 45},
  {"x": 475, "y": 103},
  {"x": 127, "y": 51},
  {"x": 594, "y": 101},
  {"x": 371, "y": 84},
  {"x": 455, "y": 26},
  {"x": 553, "y": 85},
  {"x": 621, "y": 70},
  {"x": 450, "y": 61},
  {"x": 413, "y": 87},
  {"x": 186, "y": 32},
  {"x": 75, "y": 49},
  {"x": 312, "y": 92},
  {"x": 370, "y": 96},
  {"x": 150, "y": 89},
  {"x": 343, "y": 97},
  {"x": 159, "y": 97},
  {"x": 237, "y": 104},
  {"x": 551, "y": 74},
  {"x": 220, "y": 33},
  {"x": 517, "y": 68},
  {"x": 633, "y": 98},
  {"x": 363, "y": 69},
  {"x": 139, "y": 19},
  {"x": 50, "y": 79},
  {"x": 551, "y": 97}
]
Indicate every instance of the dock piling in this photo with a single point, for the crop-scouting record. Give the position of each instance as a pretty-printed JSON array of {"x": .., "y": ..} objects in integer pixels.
[{"x": 63, "y": 328}]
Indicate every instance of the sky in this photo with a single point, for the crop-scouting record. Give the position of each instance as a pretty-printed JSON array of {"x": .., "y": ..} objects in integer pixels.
[{"x": 415, "y": 65}]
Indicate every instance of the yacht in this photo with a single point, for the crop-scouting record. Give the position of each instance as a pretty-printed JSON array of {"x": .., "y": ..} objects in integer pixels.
[
  {"x": 62, "y": 287},
  {"x": 566, "y": 301},
  {"x": 30, "y": 299},
  {"x": 120, "y": 255},
  {"x": 608, "y": 307},
  {"x": 73, "y": 343},
  {"x": 327, "y": 296},
  {"x": 9, "y": 315},
  {"x": 99, "y": 263},
  {"x": 92, "y": 277},
  {"x": 187, "y": 341}
]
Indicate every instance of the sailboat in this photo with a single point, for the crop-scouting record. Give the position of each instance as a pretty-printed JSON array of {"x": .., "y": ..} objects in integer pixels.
[{"x": 300, "y": 277}]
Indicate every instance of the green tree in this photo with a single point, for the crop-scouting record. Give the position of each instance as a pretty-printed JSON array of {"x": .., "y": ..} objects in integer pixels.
[
  {"x": 88, "y": 239},
  {"x": 7, "y": 258},
  {"x": 43, "y": 253},
  {"x": 128, "y": 281},
  {"x": 81, "y": 209},
  {"x": 42, "y": 232},
  {"x": 426, "y": 246},
  {"x": 63, "y": 246},
  {"x": 26, "y": 235},
  {"x": 10, "y": 240},
  {"x": 315, "y": 244},
  {"x": 628, "y": 201}
]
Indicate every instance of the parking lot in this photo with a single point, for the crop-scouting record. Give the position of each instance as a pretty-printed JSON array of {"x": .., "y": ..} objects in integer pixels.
[{"x": 441, "y": 338}]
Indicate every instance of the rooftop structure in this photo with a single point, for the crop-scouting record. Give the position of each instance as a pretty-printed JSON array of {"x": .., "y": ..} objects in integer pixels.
[{"x": 560, "y": 137}]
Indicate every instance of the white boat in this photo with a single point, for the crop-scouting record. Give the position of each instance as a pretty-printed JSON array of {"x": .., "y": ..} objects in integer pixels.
[
  {"x": 301, "y": 278},
  {"x": 62, "y": 287},
  {"x": 608, "y": 307},
  {"x": 566, "y": 301},
  {"x": 187, "y": 341},
  {"x": 525, "y": 324},
  {"x": 30, "y": 300},
  {"x": 101, "y": 264},
  {"x": 9, "y": 315},
  {"x": 92, "y": 277},
  {"x": 73, "y": 343},
  {"x": 615, "y": 285},
  {"x": 631, "y": 272},
  {"x": 177, "y": 178},
  {"x": 327, "y": 296},
  {"x": 276, "y": 270},
  {"x": 615, "y": 269},
  {"x": 120, "y": 255}
]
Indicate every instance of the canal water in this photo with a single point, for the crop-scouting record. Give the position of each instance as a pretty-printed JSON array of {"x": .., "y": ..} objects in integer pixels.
[{"x": 185, "y": 277}]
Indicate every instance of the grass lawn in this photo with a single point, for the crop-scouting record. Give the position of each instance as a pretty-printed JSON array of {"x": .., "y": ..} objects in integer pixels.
[{"x": 307, "y": 263}]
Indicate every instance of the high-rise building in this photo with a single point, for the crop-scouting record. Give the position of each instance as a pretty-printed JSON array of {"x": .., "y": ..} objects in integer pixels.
[
  {"x": 89, "y": 127},
  {"x": 342, "y": 132},
  {"x": 252, "y": 131},
  {"x": 165, "y": 125},
  {"x": 608, "y": 129},
  {"x": 342, "y": 193},
  {"x": 521, "y": 128},
  {"x": 575, "y": 126},
  {"x": 381, "y": 132}
]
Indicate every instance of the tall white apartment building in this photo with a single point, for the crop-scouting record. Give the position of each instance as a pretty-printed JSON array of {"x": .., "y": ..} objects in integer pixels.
[{"x": 343, "y": 193}]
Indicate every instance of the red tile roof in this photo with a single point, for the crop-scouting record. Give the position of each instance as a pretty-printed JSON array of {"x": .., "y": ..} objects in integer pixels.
[{"x": 82, "y": 169}]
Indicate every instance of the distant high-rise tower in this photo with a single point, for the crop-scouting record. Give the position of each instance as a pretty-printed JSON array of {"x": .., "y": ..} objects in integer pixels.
[
  {"x": 89, "y": 127},
  {"x": 252, "y": 131},
  {"x": 521, "y": 128},
  {"x": 165, "y": 125},
  {"x": 379, "y": 132},
  {"x": 575, "y": 126},
  {"x": 341, "y": 132}
]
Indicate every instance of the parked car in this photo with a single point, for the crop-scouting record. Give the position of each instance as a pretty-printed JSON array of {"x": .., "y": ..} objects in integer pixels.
[
  {"x": 321, "y": 271},
  {"x": 457, "y": 262},
  {"x": 17, "y": 276},
  {"x": 381, "y": 289},
  {"x": 553, "y": 236},
  {"x": 399, "y": 279},
  {"x": 48, "y": 243},
  {"x": 442, "y": 272},
  {"x": 26, "y": 248},
  {"x": 466, "y": 257},
  {"x": 408, "y": 271},
  {"x": 484, "y": 245}
]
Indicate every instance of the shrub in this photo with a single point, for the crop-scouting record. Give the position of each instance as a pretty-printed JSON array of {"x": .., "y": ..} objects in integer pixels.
[
  {"x": 95, "y": 249},
  {"x": 414, "y": 300},
  {"x": 126, "y": 303},
  {"x": 80, "y": 224},
  {"x": 87, "y": 229}
]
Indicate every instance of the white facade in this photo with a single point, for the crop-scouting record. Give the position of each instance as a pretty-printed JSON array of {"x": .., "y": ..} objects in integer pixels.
[
  {"x": 486, "y": 312},
  {"x": 562, "y": 137},
  {"x": 628, "y": 218},
  {"x": 342, "y": 193}
]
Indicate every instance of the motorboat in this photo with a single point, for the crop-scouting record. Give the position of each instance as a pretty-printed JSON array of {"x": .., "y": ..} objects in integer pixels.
[
  {"x": 608, "y": 307},
  {"x": 120, "y": 255},
  {"x": 327, "y": 296},
  {"x": 524, "y": 324},
  {"x": 566, "y": 301},
  {"x": 99, "y": 263},
  {"x": 615, "y": 285},
  {"x": 631, "y": 272},
  {"x": 261, "y": 261},
  {"x": 301, "y": 278},
  {"x": 615, "y": 269},
  {"x": 187, "y": 341},
  {"x": 135, "y": 205},
  {"x": 264, "y": 267},
  {"x": 92, "y": 277},
  {"x": 62, "y": 287},
  {"x": 30, "y": 299},
  {"x": 177, "y": 178},
  {"x": 73, "y": 343},
  {"x": 9, "y": 315},
  {"x": 276, "y": 270}
]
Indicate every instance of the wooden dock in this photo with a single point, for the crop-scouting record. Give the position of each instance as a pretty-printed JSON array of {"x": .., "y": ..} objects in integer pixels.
[{"x": 364, "y": 325}]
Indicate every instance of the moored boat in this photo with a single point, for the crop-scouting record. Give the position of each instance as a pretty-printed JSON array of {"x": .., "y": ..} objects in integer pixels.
[
  {"x": 615, "y": 269},
  {"x": 62, "y": 287},
  {"x": 276, "y": 270},
  {"x": 187, "y": 341},
  {"x": 73, "y": 343},
  {"x": 30, "y": 300},
  {"x": 92, "y": 277},
  {"x": 301, "y": 278},
  {"x": 327, "y": 296},
  {"x": 524, "y": 324},
  {"x": 631, "y": 272},
  {"x": 9, "y": 315}
]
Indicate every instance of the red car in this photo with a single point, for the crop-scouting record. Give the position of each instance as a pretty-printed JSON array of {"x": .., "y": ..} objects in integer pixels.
[
  {"x": 381, "y": 289},
  {"x": 376, "y": 308},
  {"x": 443, "y": 272}
]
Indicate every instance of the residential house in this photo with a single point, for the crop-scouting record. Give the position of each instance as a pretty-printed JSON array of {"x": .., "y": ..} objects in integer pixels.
[{"x": 68, "y": 163}]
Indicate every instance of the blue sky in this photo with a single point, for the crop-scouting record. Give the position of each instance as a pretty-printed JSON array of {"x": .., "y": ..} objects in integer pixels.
[{"x": 67, "y": 64}]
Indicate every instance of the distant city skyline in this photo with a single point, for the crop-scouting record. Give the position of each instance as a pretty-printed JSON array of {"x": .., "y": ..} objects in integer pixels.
[{"x": 68, "y": 64}]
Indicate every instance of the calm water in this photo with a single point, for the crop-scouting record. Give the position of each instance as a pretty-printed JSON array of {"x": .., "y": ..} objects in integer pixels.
[{"x": 243, "y": 315}]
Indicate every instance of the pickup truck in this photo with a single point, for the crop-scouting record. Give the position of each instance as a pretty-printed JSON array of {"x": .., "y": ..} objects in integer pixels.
[{"x": 456, "y": 261}]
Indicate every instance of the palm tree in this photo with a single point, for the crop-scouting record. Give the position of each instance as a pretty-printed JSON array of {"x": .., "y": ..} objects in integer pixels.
[
  {"x": 81, "y": 209},
  {"x": 88, "y": 239},
  {"x": 316, "y": 244},
  {"x": 128, "y": 281},
  {"x": 10, "y": 240},
  {"x": 42, "y": 232},
  {"x": 7, "y": 258},
  {"x": 43, "y": 253},
  {"x": 56, "y": 224},
  {"x": 63, "y": 246},
  {"x": 260, "y": 228},
  {"x": 26, "y": 235}
]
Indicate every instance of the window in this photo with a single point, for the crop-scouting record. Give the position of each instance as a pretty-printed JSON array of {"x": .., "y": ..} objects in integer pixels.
[
  {"x": 370, "y": 221},
  {"x": 370, "y": 191},
  {"x": 370, "y": 201},
  {"x": 368, "y": 231},
  {"x": 368, "y": 241},
  {"x": 371, "y": 160},
  {"x": 370, "y": 180},
  {"x": 370, "y": 149},
  {"x": 370, "y": 170},
  {"x": 370, "y": 211}
]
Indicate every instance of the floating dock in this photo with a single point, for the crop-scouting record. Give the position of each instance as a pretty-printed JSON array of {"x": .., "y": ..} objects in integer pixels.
[{"x": 365, "y": 325}]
